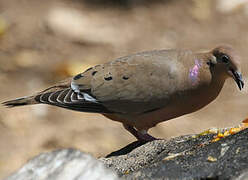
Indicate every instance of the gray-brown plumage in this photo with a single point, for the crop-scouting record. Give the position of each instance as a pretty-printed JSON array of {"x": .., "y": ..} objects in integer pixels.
[{"x": 144, "y": 89}]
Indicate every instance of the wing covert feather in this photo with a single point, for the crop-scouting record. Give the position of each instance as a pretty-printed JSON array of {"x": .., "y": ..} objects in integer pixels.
[{"x": 131, "y": 83}]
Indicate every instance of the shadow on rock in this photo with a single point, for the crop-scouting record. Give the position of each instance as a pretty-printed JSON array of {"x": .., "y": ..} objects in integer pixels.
[{"x": 126, "y": 149}]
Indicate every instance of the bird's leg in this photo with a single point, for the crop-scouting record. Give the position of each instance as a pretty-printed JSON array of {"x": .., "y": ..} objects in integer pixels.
[{"x": 140, "y": 135}]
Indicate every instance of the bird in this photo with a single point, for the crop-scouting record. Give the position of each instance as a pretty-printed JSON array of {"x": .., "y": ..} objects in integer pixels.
[{"x": 143, "y": 89}]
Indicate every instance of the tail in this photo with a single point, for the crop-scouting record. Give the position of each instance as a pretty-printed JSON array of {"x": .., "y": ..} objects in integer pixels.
[
  {"x": 63, "y": 97},
  {"x": 29, "y": 100},
  {"x": 20, "y": 101}
]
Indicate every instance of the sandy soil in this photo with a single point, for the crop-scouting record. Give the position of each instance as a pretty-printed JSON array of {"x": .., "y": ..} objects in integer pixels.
[{"x": 42, "y": 42}]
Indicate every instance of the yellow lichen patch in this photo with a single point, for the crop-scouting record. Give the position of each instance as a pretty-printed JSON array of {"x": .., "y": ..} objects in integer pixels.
[
  {"x": 234, "y": 130},
  {"x": 231, "y": 131},
  {"x": 215, "y": 139},
  {"x": 220, "y": 135},
  {"x": 226, "y": 133},
  {"x": 208, "y": 131},
  {"x": 204, "y": 133},
  {"x": 212, "y": 159}
]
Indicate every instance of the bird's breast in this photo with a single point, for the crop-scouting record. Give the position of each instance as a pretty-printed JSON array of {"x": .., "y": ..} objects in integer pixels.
[{"x": 179, "y": 104}]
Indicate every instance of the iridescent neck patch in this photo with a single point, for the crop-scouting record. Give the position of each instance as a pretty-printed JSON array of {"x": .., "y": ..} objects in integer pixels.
[{"x": 194, "y": 72}]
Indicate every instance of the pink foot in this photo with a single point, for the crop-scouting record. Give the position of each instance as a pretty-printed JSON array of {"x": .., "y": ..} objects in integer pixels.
[{"x": 141, "y": 136}]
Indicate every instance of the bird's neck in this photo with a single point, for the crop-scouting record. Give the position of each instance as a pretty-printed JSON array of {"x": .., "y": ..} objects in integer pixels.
[
  {"x": 217, "y": 82},
  {"x": 215, "y": 74}
]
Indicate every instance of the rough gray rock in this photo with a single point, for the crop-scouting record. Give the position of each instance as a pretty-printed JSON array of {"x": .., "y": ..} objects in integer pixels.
[
  {"x": 185, "y": 158},
  {"x": 64, "y": 164},
  {"x": 149, "y": 153},
  {"x": 242, "y": 176}
]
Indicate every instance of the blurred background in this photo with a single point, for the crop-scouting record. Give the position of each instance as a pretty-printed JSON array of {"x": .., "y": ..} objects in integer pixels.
[{"x": 44, "y": 41}]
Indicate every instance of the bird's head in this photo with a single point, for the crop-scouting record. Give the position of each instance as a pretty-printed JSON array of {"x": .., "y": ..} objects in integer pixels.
[{"x": 225, "y": 61}]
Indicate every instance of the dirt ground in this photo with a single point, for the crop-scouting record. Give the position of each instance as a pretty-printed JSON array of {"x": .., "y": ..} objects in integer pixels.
[{"x": 42, "y": 42}]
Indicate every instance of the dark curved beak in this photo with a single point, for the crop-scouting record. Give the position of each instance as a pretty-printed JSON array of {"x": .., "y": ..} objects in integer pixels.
[{"x": 238, "y": 79}]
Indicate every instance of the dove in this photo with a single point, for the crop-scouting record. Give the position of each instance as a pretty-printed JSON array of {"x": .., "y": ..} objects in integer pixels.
[{"x": 146, "y": 88}]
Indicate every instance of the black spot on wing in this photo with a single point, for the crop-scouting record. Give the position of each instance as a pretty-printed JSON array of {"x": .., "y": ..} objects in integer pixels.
[
  {"x": 78, "y": 76},
  {"x": 93, "y": 73},
  {"x": 108, "y": 78},
  {"x": 125, "y": 77}
]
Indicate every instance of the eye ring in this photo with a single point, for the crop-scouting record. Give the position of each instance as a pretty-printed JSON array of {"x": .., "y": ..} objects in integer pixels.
[{"x": 225, "y": 58}]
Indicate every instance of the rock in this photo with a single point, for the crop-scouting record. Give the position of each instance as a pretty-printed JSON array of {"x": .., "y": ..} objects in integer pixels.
[
  {"x": 65, "y": 164},
  {"x": 185, "y": 158},
  {"x": 242, "y": 176},
  {"x": 148, "y": 154}
]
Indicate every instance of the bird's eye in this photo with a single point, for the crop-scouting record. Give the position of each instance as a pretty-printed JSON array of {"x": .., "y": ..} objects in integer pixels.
[{"x": 224, "y": 58}]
